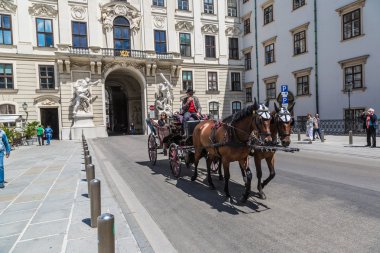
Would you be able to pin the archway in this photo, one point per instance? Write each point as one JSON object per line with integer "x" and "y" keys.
{"x": 124, "y": 102}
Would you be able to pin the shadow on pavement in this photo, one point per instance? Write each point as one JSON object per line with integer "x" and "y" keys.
{"x": 200, "y": 190}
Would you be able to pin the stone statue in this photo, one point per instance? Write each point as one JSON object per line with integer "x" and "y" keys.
{"x": 83, "y": 97}
{"x": 164, "y": 96}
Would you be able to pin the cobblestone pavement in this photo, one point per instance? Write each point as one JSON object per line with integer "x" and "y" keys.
{"x": 44, "y": 206}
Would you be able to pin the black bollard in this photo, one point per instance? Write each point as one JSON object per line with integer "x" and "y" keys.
{"x": 87, "y": 160}
{"x": 95, "y": 201}
{"x": 86, "y": 152}
{"x": 299, "y": 135}
{"x": 90, "y": 175}
{"x": 322, "y": 136}
{"x": 350, "y": 138}
{"x": 106, "y": 233}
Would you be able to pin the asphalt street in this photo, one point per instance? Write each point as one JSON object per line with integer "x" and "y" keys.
{"x": 318, "y": 202}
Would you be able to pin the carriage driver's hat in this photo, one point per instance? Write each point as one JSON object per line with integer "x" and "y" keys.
{"x": 190, "y": 91}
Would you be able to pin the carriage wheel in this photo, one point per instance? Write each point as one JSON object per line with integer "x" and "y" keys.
{"x": 152, "y": 149}
{"x": 174, "y": 160}
{"x": 215, "y": 165}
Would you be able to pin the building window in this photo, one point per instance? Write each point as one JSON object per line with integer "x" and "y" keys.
{"x": 354, "y": 114}
{"x": 44, "y": 32}
{"x": 351, "y": 24}
{"x": 247, "y": 61}
{"x": 47, "y": 77}
{"x": 236, "y": 106}
{"x": 302, "y": 85}
{"x": 234, "y": 48}
{"x": 209, "y": 6}
{"x": 232, "y": 8}
{"x": 298, "y": 3}
{"x": 79, "y": 30}
{"x": 235, "y": 81}
{"x": 248, "y": 94}
{"x": 268, "y": 14}
{"x": 6, "y": 76}
{"x": 185, "y": 44}
{"x": 247, "y": 26}
{"x": 187, "y": 80}
{"x": 158, "y": 2}
{"x": 214, "y": 110}
{"x": 269, "y": 53}
{"x": 160, "y": 41}
{"x": 121, "y": 34}
{"x": 5, "y": 30}
{"x": 212, "y": 81}
{"x": 271, "y": 90}
{"x": 183, "y": 5}
{"x": 7, "y": 109}
{"x": 300, "y": 42}
{"x": 210, "y": 46}
{"x": 353, "y": 75}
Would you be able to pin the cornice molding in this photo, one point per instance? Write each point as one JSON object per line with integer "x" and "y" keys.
{"x": 8, "y": 6}
{"x": 43, "y": 10}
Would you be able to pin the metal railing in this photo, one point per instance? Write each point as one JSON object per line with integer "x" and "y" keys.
{"x": 123, "y": 53}
{"x": 337, "y": 127}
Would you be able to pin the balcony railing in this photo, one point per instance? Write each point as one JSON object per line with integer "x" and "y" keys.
{"x": 79, "y": 50}
{"x": 123, "y": 53}
{"x": 337, "y": 127}
{"x": 164, "y": 55}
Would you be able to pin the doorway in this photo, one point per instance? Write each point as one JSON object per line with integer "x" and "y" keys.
{"x": 49, "y": 117}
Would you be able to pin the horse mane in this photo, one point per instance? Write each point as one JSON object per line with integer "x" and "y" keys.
{"x": 237, "y": 116}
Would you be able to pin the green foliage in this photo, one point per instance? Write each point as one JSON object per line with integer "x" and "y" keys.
{"x": 30, "y": 129}
{"x": 10, "y": 132}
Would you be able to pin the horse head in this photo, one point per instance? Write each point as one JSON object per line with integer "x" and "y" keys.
{"x": 283, "y": 123}
{"x": 262, "y": 119}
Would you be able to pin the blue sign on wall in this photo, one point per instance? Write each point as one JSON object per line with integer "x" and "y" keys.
{"x": 285, "y": 100}
{"x": 284, "y": 88}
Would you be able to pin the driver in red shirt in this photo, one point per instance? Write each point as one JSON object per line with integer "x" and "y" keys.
{"x": 191, "y": 106}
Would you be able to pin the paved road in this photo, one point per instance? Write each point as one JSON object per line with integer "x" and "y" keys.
{"x": 318, "y": 202}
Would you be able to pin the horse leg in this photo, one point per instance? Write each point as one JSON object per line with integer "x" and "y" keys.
{"x": 209, "y": 179}
{"x": 247, "y": 175}
{"x": 272, "y": 173}
{"x": 226, "y": 167}
{"x": 259, "y": 174}
{"x": 220, "y": 169}
{"x": 197, "y": 157}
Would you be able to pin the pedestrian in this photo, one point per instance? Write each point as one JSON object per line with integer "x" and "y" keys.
{"x": 48, "y": 134}
{"x": 4, "y": 147}
{"x": 132, "y": 129}
{"x": 40, "y": 135}
{"x": 316, "y": 121}
{"x": 309, "y": 127}
{"x": 370, "y": 124}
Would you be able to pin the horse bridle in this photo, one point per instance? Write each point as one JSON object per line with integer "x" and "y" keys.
{"x": 283, "y": 117}
{"x": 263, "y": 114}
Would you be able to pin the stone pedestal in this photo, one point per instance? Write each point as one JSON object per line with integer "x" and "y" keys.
{"x": 83, "y": 123}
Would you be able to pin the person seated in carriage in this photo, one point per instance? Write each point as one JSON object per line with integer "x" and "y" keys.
{"x": 191, "y": 107}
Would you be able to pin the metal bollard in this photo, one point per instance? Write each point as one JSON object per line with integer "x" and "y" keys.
{"x": 90, "y": 175}
{"x": 87, "y": 160}
{"x": 106, "y": 233}
{"x": 86, "y": 152}
{"x": 350, "y": 138}
{"x": 299, "y": 135}
{"x": 95, "y": 201}
{"x": 322, "y": 136}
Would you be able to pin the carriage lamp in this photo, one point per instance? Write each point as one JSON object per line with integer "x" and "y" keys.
{"x": 25, "y": 106}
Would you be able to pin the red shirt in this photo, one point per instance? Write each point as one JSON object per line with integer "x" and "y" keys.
{"x": 192, "y": 107}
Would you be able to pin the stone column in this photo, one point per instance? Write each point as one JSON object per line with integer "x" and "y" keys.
{"x": 223, "y": 40}
{"x": 95, "y": 29}
{"x": 172, "y": 38}
{"x": 64, "y": 22}
{"x": 198, "y": 36}
{"x": 25, "y": 28}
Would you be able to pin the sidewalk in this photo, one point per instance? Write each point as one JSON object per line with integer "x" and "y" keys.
{"x": 334, "y": 144}
{"x": 44, "y": 206}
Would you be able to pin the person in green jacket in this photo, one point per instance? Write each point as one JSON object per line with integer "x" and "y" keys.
{"x": 40, "y": 135}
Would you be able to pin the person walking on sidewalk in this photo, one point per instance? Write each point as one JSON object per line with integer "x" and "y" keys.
{"x": 309, "y": 127}
{"x": 40, "y": 135}
{"x": 48, "y": 134}
{"x": 4, "y": 147}
{"x": 370, "y": 124}
{"x": 316, "y": 121}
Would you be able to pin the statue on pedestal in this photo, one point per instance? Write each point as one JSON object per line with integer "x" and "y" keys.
{"x": 164, "y": 96}
{"x": 83, "y": 98}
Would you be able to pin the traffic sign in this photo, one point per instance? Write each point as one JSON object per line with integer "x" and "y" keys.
{"x": 284, "y": 88}
{"x": 285, "y": 100}
{"x": 151, "y": 107}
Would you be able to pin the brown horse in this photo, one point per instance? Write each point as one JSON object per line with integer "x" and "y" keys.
{"x": 281, "y": 125}
{"x": 230, "y": 143}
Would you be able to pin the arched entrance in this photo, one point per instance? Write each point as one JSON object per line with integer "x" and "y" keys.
{"x": 124, "y": 100}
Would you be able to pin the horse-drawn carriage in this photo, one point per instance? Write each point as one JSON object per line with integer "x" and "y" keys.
{"x": 176, "y": 143}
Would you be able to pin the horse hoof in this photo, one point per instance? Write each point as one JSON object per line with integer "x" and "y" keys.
{"x": 262, "y": 196}
{"x": 193, "y": 178}
{"x": 243, "y": 199}
{"x": 221, "y": 178}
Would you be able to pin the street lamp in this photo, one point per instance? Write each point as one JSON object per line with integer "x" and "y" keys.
{"x": 348, "y": 89}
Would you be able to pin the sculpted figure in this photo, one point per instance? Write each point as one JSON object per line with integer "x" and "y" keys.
{"x": 164, "y": 101}
{"x": 83, "y": 97}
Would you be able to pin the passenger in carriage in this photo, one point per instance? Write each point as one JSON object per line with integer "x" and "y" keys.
{"x": 191, "y": 107}
{"x": 163, "y": 121}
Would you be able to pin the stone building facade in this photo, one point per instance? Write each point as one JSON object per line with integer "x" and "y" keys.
{"x": 46, "y": 46}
